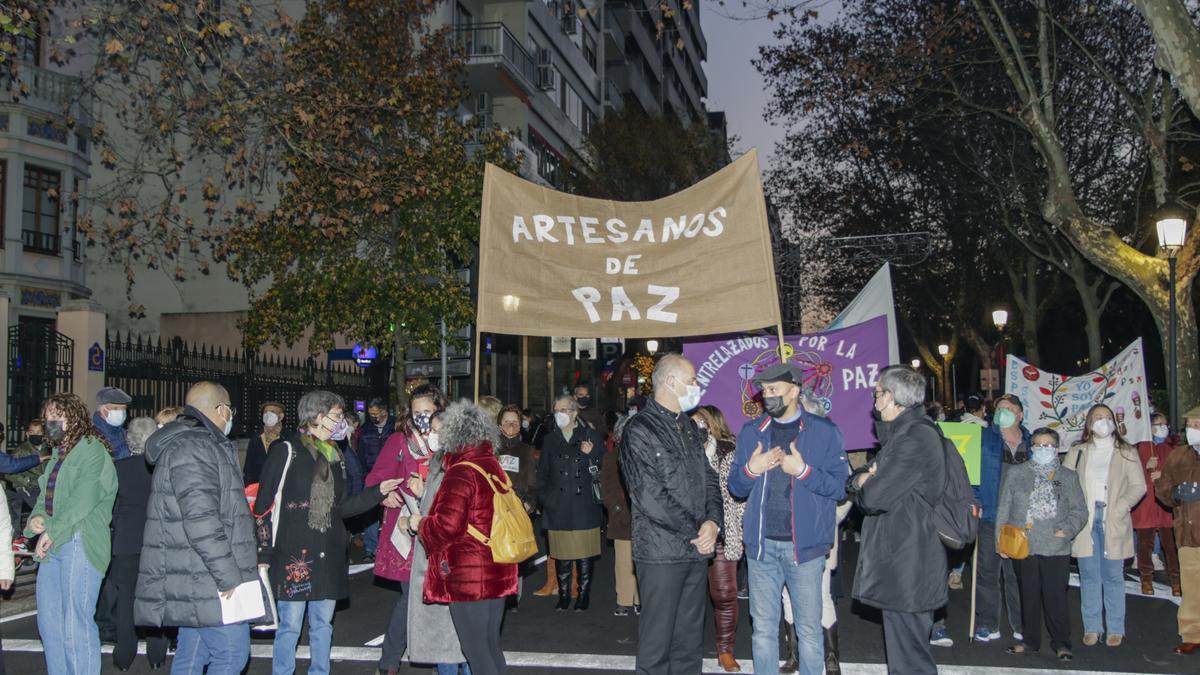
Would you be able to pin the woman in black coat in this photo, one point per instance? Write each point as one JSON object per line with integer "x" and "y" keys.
{"x": 302, "y": 539}
{"x": 567, "y": 485}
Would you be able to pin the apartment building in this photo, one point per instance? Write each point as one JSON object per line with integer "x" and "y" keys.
{"x": 44, "y": 167}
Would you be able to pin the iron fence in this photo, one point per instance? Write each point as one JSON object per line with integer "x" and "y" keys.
{"x": 158, "y": 375}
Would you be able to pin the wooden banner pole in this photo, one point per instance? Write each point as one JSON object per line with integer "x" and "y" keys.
{"x": 779, "y": 332}
{"x": 478, "y": 349}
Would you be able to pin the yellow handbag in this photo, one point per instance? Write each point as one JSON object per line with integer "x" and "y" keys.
{"x": 1014, "y": 542}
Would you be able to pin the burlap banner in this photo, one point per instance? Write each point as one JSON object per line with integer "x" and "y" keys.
{"x": 695, "y": 263}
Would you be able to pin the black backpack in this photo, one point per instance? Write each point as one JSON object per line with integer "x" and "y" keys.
{"x": 956, "y": 512}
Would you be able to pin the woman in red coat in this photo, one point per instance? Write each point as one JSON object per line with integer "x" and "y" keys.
{"x": 1150, "y": 517}
{"x": 461, "y": 570}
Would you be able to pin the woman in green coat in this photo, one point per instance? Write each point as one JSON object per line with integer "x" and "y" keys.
{"x": 72, "y": 514}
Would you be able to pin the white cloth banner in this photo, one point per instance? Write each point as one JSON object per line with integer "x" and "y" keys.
{"x": 1061, "y": 403}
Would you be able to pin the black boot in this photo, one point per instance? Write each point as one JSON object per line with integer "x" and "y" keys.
{"x": 790, "y": 663}
{"x": 585, "y": 567}
{"x": 562, "y": 570}
{"x": 833, "y": 663}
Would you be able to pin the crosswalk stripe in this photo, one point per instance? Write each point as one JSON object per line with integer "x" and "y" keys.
{"x": 615, "y": 662}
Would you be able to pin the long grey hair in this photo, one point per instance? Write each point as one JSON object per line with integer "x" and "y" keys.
{"x": 465, "y": 425}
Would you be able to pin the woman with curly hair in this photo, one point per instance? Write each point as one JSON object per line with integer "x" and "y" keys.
{"x": 72, "y": 514}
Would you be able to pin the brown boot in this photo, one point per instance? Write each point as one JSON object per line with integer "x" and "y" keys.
{"x": 551, "y": 586}
{"x": 1147, "y": 586}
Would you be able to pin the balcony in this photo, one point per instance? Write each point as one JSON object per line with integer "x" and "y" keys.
{"x": 491, "y": 47}
{"x": 40, "y": 242}
{"x": 612, "y": 96}
{"x": 46, "y": 91}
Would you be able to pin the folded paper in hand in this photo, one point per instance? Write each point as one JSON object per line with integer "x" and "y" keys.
{"x": 246, "y": 604}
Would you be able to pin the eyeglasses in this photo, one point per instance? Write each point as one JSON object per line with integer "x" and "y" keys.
{"x": 336, "y": 418}
{"x": 1045, "y": 446}
{"x": 232, "y": 410}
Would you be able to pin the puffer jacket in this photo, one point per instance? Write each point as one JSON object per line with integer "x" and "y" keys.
{"x": 461, "y": 568}
{"x": 672, "y": 487}
{"x": 902, "y": 562}
{"x": 199, "y": 538}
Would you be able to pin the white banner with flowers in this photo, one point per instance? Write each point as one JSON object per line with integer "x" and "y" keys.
{"x": 1062, "y": 403}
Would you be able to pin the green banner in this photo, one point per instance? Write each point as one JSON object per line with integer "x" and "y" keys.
{"x": 968, "y": 438}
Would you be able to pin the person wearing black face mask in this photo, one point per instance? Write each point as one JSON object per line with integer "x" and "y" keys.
{"x": 31, "y": 454}
{"x": 589, "y": 412}
{"x": 791, "y": 468}
{"x": 516, "y": 457}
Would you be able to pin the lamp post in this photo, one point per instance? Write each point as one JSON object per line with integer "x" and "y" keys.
{"x": 652, "y": 346}
{"x": 999, "y": 320}
{"x": 944, "y": 350}
{"x": 916, "y": 364}
{"x": 1171, "y": 221}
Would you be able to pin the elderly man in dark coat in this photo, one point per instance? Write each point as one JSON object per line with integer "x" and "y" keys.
{"x": 902, "y": 562}
{"x": 199, "y": 540}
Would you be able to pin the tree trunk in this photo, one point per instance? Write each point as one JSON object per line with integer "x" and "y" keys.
{"x": 1178, "y": 43}
{"x": 399, "y": 366}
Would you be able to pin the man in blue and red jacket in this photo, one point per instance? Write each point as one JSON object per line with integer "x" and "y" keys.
{"x": 791, "y": 469}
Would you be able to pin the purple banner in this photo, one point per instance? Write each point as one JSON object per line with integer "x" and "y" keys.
{"x": 840, "y": 369}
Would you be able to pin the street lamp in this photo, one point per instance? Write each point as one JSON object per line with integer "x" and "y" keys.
{"x": 1171, "y": 221}
{"x": 652, "y": 346}
{"x": 916, "y": 364}
{"x": 1000, "y": 321}
{"x": 1000, "y": 318}
{"x": 944, "y": 350}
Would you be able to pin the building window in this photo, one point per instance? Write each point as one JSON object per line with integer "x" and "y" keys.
{"x": 76, "y": 235}
{"x": 549, "y": 163}
{"x": 40, "y": 210}
{"x": 589, "y": 49}
{"x": 462, "y": 16}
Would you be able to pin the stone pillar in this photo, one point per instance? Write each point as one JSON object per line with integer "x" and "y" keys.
{"x": 84, "y": 322}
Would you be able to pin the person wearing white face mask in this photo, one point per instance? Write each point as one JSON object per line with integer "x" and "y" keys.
{"x": 568, "y": 488}
{"x": 675, "y": 497}
{"x": 1179, "y": 488}
{"x": 1113, "y": 484}
{"x": 256, "y": 451}
{"x": 1151, "y": 519}
{"x": 109, "y": 419}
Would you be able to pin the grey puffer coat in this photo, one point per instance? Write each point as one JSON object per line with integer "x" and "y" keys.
{"x": 199, "y": 537}
{"x": 432, "y": 637}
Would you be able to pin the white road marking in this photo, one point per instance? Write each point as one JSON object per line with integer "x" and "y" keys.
{"x": 596, "y": 661}
{"x": 376, "y": 642}
{"x": 361, "y": 567}
{"x": 22, "y": 615}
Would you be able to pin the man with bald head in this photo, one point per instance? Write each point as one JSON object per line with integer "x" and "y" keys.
{"x": 199, "y": 539}
{"x": 676, "y": 500}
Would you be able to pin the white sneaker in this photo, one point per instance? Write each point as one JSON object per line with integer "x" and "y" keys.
{"x": 1018, "y": 637}
{"x": 1158, "y": 563}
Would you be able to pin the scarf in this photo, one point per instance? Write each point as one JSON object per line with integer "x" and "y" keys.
{"x": 115, "y": 436}
{"x": 271, "y": 434}
{"x": 710, "y": 451}
{"x": 321, "y": 495}
{"x": 1042, "y": 504}
{"x": 417, "y": 446}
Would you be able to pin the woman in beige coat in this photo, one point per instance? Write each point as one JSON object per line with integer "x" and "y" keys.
{"x": 1112, "y": 481}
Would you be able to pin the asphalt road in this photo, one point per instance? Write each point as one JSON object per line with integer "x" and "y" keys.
{"x": 539, "y": 640}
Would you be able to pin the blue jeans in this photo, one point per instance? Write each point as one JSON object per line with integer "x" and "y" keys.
{"x": 224, "y": 649}
{"x": 453, "y": 669}
{"x": 371, "y": 538}
{"x": 767, "y": 579}
{"x": 287, "y": 635}
{"x": 1102, "y": 586}
{"x": 67, "y": 590}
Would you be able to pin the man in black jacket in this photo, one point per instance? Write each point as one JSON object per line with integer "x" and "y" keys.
{"x": 199, "y": 541}
{"x": 902, "y": 562}
{"x": 676, "y": 500}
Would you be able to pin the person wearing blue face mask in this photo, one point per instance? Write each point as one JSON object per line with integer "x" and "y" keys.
{"x": 1046, "y": 500}
{"x": 1005, "y": 444}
